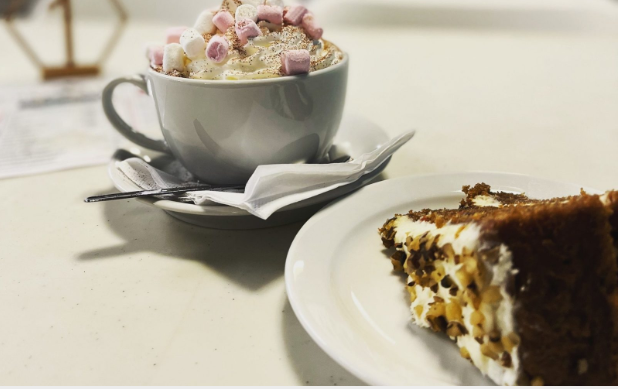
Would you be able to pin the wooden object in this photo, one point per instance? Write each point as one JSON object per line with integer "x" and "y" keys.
{"x": 70, "y": 68}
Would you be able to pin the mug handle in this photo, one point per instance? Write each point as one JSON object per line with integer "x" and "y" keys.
{"x": 139, "y": 80}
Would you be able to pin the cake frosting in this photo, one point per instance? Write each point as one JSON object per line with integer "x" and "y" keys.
{"x": 459, "y": 245}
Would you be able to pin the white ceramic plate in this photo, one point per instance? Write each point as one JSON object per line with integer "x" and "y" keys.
{"x": 342, "y": 288}
{"x": 357, "y": 135}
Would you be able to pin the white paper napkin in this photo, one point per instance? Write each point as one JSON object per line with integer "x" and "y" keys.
{"x": 272, "y": 187}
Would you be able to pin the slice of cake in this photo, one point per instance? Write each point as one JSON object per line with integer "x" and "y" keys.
{"x": 526, "y": 288}
{"x": 481, "y": 196}
{"x": 610, "y": 199}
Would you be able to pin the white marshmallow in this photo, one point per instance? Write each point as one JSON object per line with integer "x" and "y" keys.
{"x": 254, "y": 3}
{"x": 246, "y": 11}
{"x": 173, "y": 58}
{"x": 278, "y": 3}
{"x": 204, "y": 24}
{"x": 193, "y": 43}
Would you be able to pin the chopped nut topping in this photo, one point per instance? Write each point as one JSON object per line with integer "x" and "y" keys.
{"x": 537, "y": 381}
{"x": 414, "y": 244}
{"x": 412, "y": 292}
{"x": 463, "y": 277}
{"x": 492, "y": 295}
{"x": 477, "y": 332}
{"x": 505, "y": 360}
{"x": 388, "y": 243}
{"x": 397, "y": 266}
{"x": 455, "y": 329}
{"x": 477, "y": 318}
{"x": 436, "y": 309}
{"x": 464, "y": 353}
{"x": 428, "y": 242}
{"x": 438, "y": 272}
{"x": 446, "y": 282}
{"x": 453, "y": 312}
{"x": 486, "y": 350}
{"x": 472, "y": 298}
{"x": 438, "y": 324}
{"x": 448, "y": 251}
{"x": 470, "y": 265}
{"x": 514, "y": 338}
{"x": 496, "y": 347}
{"x": 507, "y": 343}
{"x": 494, "y": 336}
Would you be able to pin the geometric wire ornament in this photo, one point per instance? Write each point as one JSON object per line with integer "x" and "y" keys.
{"x": 70, "y": 68}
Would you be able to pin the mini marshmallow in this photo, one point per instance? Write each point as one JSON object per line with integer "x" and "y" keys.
{"x": 156, "y": 55}
{"x": 275, "y": 3}
{"x": 217, "y": 49}
{"x": 173, "y": 58}
{"x": 223, "y": 20}
{"x": 294, "y": 15}
{"x": 246, "y": 11}
{"x": 246, "y": 29}
{"x": 312, "y": 29}
{"x": 172, "y": 35}
{"x": 295, "y": 62}
{"x": 193, "y": 43}
{"x": 271, "y": 14}
{"x": 204, "y": 23}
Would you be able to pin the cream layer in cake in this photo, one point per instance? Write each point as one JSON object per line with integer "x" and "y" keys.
{"x": 463, "y": 292}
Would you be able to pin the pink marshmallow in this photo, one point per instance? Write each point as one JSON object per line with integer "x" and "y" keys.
{"x": 270, "y": 13}
{"x": 294, "y": 15}
{"x": 312, "y": 29}
{"x": 217, "y": 49}
{"x": 246, "y": 29}
{"x": 223, "y": 20}
{"x": 295, "y": 62}
{"x": 155, "y": 53}
{"x": 172, "y": 35}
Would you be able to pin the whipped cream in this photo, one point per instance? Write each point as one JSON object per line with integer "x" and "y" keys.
{"x": 261, "y": 56}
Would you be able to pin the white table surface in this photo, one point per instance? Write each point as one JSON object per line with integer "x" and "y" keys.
{"x": 120, "y": 293}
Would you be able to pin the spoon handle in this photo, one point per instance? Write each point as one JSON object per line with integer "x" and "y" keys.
{"x": 158, "y": 192}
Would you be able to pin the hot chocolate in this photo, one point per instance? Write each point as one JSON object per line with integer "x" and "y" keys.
{"x": 246, "y": 39}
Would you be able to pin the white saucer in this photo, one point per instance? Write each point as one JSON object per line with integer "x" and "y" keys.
{"x": 356, "y": 136}
{"x": 343, "y": 290}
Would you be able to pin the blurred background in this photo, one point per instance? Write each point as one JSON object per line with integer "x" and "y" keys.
{"x": 95, "y": 18}
{"x": 475, "y": 67}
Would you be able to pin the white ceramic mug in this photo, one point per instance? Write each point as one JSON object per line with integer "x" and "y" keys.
{"x": 222, "y": 130}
